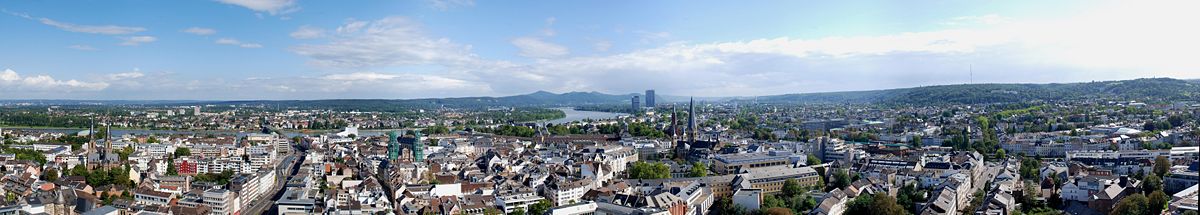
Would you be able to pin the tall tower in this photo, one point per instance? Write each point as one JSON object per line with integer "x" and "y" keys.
{"x": 692, "y": 120}
{"x": 674, "y": 124}
{"x": 393, "y": 145}
{"x": 636, "y": 104}
{"x": 418, "y": 149}
{"x": 650, "y": 99}
{"x": 107, "y": 137}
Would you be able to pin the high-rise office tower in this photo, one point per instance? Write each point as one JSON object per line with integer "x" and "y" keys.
{"x": 636, "y": 103}
{"x": 650, "y": 99}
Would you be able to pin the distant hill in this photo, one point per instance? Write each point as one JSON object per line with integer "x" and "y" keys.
{"x": 1138, "y": 89}
{"x": 536, "y": 99}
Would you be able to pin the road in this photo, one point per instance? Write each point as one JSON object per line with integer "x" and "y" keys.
{"x": 295, "y": 168}
{"x": 989, "y": 174}
{"x": 282, "y": 175}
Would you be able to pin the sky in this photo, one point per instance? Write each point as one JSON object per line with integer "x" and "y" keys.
{"x": 304, "y": 49}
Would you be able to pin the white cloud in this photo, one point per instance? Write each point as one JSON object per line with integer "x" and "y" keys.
{"x": 359, "y": 76}
{"x": 536, "y": 48}
{"x": 82, "y": 47}
{"x": 137, "y": 40}
{"x": 11, "y": 81}
{"x": 235, "y": 42}
{"x": 92, "y": 29}
{"x": 272, "y": 7}
{"x": 308, "y": 32}
{"x": 200, "y": 31}
{"x": 990, "y": 19}
{"x": 351, "y": 27}
{"x": 447, "y": 4}
{"x": 126, "y": 75}
{"x": 9, "y": 75}
{"x": 386, "y": 42}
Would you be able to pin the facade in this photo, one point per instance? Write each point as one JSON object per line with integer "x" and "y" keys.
{"x": 771, "y": 179}
{"x": 415, "y": 146}
{"x": 728, "y": 163}
{"x": 635, "y": 103}
{"x": 1179, "y": 180}
{"x": 222, "y": 202}
{"x": 650, "y": 99}
{"x": 152, "y": 197}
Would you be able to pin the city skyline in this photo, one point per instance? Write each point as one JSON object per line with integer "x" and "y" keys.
{"x": 284, "y": 49}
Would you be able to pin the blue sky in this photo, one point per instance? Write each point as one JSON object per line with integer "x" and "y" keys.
{"x": 298, "y": 49}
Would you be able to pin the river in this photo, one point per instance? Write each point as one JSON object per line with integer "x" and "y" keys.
{"x": 579, "y": 115}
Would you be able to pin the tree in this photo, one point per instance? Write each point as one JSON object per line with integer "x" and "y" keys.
{"x": 1190, "y": 212}
{"x": 540, "y": 207}
{"x": 791, "y": 188}
{"x": 79, "y": 170}
{"x": 778, "y": 211}
{"x": 1161, "y": 166}
{"x": 698, "y": 170}
{"x": 877, "y": 204}
{"x": 1151, "y": 183}
{"x": 916, "y": 141}
{"x": 171, "y": 171}
{"x": 183, "y": 151}
{"x": 1135, "y": 204}
{"x": 1158, "y": 201}
{"x": 647, "y": 170}
{"x": 841, "y": 178}
{"x": 909, "y": 196}
{"x": 1029, "y": 168}
{"x": 50, "y": 175}
{"x": 1000, "y": 153}
{"x": 813, "y": 160}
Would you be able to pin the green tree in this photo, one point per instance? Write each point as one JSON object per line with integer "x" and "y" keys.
{"x": 1000, "y": 153}
{"x": 1161, "y": 166}
{"x": 1029, "y": 168}
{"x": 909, "y": 196}
{"x": 813, "y": 160}
{"x": 79, "y": 170}
{"x": 791, "y": 188}
{"x": 916, "y": 141}
{"x": 171, "y": 171}
{"x": 841, "y": 179}
{"x": 698, "y": 170}
{"x": 648, "y": 170}
{"x": 183, "y": 151}
{"x": 1151, "y": 183}
{"x": 1158, "y": 201}
{"x": 877, "y": 204}
{"x": 540, "y": 207}
{"x": 50, "y": 175}
{"x": 1136, "y": 204}
{"x": 777, "y": 211}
